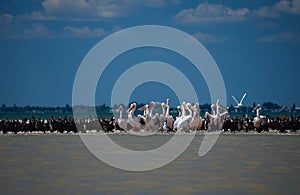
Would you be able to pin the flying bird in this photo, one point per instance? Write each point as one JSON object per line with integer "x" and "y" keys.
{"x": 239, "y": 104}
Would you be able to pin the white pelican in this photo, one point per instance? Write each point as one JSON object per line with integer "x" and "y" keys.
{"x": 169, "y": 118}
{"x": 147, "y": 118}
{"x": 217, "y": 118}
{"x": 162, "y": 117}
{"x": 258, "y": 119}
{"x": 240, "y": 103}
{"x": 196, "y": 122}
{"x": 181, "y": 114}
{"x": 184, "y": 122}
{"x": 132, "y": 120}
{"x": 121, "y": 122}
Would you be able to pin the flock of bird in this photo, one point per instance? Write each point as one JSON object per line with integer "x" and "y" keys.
{"x": 188, "y": 117}
{"x": 149, "y": 121}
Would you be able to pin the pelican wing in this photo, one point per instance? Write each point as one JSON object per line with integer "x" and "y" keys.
{"x": 234, "y": 99}
{"x": 243, "y": 98}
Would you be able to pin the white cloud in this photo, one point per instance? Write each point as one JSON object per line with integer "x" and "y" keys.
{"x": 6, "y": 18}
{"x": 116, "y": 29}
{"x": 37, "y": 31}
{"x": 287, "y": 36}
{"x": 208, "y": 13}
{"x": 30, "y": 32}
{"x": 211, "y": 13}
{"x": 41, "y": 31}
{"x": 36, "y": 15}
{"x": 82, "y": 10}
{"x": 206, "y": 38}
{"x": 266, "y": 24}
{"x": 266, "y": 12}
{"x": 288, "y": 6}
{"x": 275, "y": 10}
{"x": 82, "y": 32}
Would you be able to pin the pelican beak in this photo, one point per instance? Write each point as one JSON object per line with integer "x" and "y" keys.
{"x": 143, "y": 108}
{"x": 256, "y": 107}
{"x": 130, "y": 108}
{"x": 168, "y": 101}
{"x": 152, "y": 104}
{"x": 120, "y": 108}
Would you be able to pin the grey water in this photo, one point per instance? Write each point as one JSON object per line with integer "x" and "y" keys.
{"x": 237, "y": 164}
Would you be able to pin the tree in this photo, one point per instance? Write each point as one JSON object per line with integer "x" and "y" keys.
{"x": 68, "y": 108}
{"x": 270, "y": 106}
{"x": 294, "y": 106}
{"x": 3, "y": 108}
{"x": 15, "y": 108}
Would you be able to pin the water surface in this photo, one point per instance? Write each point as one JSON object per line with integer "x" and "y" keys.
{"x": 237, "y": 164}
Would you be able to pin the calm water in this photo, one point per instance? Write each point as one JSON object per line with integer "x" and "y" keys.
{"x": 238, "y": 164}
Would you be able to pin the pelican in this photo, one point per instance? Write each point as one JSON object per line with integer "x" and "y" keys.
{"x": 181, "y": 114}
{"x": 147, "y": 118}
{"x": 132, "y": 120}
{"x": 213, "y": 109}
{"x": 121, "y": 122}
{"x": 162, "y": 117}
{"x": 184, "y": 121}
{"x": 258, "y": 119}
{"x": 150, "y": 108}
{"x": 169, "y": 118}
{"x": 217, "y": 118}
{"x": 239, "y": 104}
{"x": 143, "y": 118}
{"x": 196, "y": 122}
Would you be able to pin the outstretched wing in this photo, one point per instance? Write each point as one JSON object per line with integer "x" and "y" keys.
{"x": 243, "y": 97}
{"x": 234, "y": 99}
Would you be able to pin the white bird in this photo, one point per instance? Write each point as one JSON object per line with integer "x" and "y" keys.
{"x": 178, "y": 118}
{"x": 181, "y": 115}
{"x": 121, "y": 121}
{"x": 132, "y": 120}
{"x": 147, "y": 117}
{"x": 217, "y": 118}
{"x": 169, "y": 118}
{"x": 258, "y": 119}
{"x": 239, "y": 103}
{"x": 179, "y": 112}
{"x": 196, "y": 122}
{"x": 162, "y": 117}
{"x": 184, "y": 122}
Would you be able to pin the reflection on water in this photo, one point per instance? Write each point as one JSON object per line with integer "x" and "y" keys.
{"x": 237, "y": 164}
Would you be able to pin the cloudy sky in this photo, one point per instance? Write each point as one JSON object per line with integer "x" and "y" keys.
{"x": 255, "y": 43}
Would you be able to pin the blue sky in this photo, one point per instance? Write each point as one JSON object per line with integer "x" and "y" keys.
{"x": 255, "y": 43}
